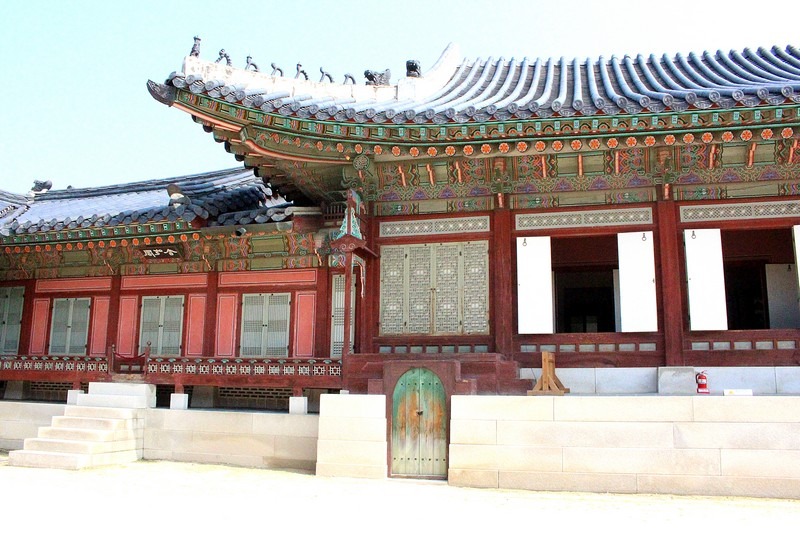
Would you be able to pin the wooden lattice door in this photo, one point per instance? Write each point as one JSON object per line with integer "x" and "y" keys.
{"x": 419, "y": 425}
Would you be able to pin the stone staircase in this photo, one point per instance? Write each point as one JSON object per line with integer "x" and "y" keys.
{"x": 106, "y": 426}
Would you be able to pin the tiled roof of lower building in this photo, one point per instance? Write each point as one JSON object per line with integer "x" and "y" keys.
{"x": 213, "y": 197}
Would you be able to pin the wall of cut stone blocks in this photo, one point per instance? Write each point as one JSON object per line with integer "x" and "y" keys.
{"x": 22, "y": 420}
{"x": 709, "y": 445}
{"x": 352, "y": 436}
{"x": 652, "y": 380}
{"x": 249, "y": 439}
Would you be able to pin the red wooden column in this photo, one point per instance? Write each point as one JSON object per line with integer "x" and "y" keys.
{"x": 502, "y": 280}
{"x": 670, "y": 281}
{"x": 322, "y": 326}
{"x": 27, "y": 317}
{"x": 369, "y": 305}
{"x": 112, "y": 327}
{"x": 209, "y": 333}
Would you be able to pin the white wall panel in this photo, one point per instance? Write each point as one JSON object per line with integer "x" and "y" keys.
{"x": 706, "y": 278}
{"x": 637, "y": 282}
{"x": 534, "y": 285}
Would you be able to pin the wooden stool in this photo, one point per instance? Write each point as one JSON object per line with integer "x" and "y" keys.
{"x": 549, "y": 382}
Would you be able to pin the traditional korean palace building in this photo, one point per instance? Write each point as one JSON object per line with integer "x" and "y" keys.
{"x": 635, "y": 213}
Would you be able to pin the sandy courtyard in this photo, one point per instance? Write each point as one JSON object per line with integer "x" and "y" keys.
{"x": 165, "y": 496}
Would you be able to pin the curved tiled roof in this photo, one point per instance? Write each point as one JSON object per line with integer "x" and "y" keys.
{"x": 211, "y": 196}
{"x": 496, "y": 89}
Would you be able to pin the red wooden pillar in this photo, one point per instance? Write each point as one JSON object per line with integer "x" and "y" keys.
{"x": 369, "y": 305}
{"x": 502, "y": 279}
{"x": 209, "y": 334}
{"x": 112, "y": 328}
{"x": 669, "y": 244}
{"x": 27, "y": 317}
{"x": 322, "y": 326}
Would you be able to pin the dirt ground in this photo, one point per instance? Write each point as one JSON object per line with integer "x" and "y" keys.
{"x": 166, "y": 496}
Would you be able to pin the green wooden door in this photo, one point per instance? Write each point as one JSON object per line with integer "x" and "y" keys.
{"x": 419, "y": 425}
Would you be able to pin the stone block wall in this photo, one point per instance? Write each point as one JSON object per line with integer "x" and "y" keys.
{"x": 711, "y": 445}
{"x": 352, "y": 436}
{"x": 22, "y": 420}
{"x": 250, "y": 439}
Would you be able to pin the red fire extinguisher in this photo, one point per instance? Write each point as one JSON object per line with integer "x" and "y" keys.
{"x": 702, "y": 382}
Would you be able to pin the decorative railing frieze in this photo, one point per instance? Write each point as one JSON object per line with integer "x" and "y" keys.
{"x": 179, "y": 366}
{"x": 241, "y": 367}
{"x": 745, "y": 211}
{"x": 435, "y": 226}
{"x": 54, "y": 363}
{"x": 579, "y": 219}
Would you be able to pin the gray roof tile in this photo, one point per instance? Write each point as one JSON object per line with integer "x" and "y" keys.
{"x": 209, "y": 196}
{"x": 482, "y": 90}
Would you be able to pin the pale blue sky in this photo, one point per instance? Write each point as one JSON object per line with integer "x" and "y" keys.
{"x": 75, "y": 109}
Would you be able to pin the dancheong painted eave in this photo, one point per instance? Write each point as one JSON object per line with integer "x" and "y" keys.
{"x": 480, "y": 108}
{"x": 460, "y": 91}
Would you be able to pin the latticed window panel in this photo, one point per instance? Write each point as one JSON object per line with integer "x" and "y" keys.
{"x": 446, "y": 295}
{"x": 444, "y": 289}
{"x": 419, "y": 289}
{"x": 59, "y": 326}
{"x": 162, "y": 324}
{"x": 252, "y": 324}
{"x": 172, "y": 326}
{"x": 393, "y": 281}
{"x": 337, "y": 316}
{"x": 476, "y": 287}
{"x": 277, "y": 326}
{"x": 265, "y": 325}
{"x": 11, "y": 301}
{"x": 69, "y": 326}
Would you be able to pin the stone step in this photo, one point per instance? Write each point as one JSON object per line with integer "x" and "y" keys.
{"x": 108, "y": 424}
{"x": 77, "y": 446}
{"x": 37, "y": 459}
{"x": 102, "y": 412}
{"x": 116, "y": 400}
{"x": 70, "y": 461}
{"x": 82, "y": 434}
{"x": 122, "y": 389}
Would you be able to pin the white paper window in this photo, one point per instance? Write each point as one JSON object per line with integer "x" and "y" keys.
{"x": 162, "y": 324}
{"x": 69, "y": 326}
{"x": 534, "y": 285}
{"x": 706, "y": 279}
{"x": 637, "y": 282}
{"x": 11, "y": 301}
{"x": 438, "y": 289}
{"x": 265, "y": 325}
